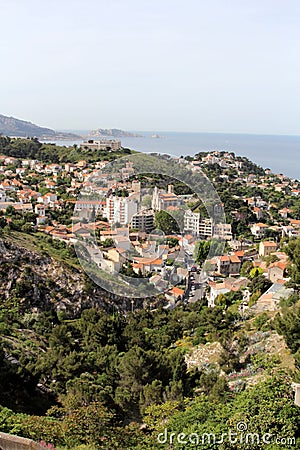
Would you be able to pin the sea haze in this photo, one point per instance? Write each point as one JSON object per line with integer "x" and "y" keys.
{"x": 278, "y": 152}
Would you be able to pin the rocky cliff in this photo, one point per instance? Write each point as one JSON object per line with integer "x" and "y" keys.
{"x": 38, "y": 282}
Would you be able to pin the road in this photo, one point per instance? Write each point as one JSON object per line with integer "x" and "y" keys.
{"x": 199, "y": 281}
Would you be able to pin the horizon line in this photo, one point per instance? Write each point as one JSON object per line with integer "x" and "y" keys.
{"x": 247, "y": 133}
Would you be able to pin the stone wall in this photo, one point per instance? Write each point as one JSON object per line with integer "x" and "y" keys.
{"x": 11, "y": 442}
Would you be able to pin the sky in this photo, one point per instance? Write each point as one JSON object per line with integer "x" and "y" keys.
{"x": 192, "y": 65}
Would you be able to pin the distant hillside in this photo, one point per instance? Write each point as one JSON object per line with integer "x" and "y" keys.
{"x": 112, "y": 132}
{"x": 10, "y": 126}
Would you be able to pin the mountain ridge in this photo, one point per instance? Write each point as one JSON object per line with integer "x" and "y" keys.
{"x": 11, "y": 126}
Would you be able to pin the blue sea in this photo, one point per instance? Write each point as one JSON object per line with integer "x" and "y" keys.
{"x": 280, "y": 153}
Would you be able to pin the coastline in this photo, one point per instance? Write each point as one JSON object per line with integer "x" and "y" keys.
{"x": 277, "y": 152}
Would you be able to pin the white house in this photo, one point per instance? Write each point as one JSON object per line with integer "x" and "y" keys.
{"x": 259, "y": 229}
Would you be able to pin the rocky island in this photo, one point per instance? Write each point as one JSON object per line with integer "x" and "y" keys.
{"x": 112, "y": 132}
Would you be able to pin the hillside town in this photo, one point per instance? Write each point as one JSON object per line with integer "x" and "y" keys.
{"x": 125, "y": 213}
{"x": 150, "y": 225}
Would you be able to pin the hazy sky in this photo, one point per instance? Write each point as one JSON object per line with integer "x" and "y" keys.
{"x": 193, "y": 65}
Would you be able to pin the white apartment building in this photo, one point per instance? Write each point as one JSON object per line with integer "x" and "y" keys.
{"x": 196, "y": 225}
{"x": 120, "y": 210}
{"x": 191, "y": 221}
{"x": 206, "y": 228}
{"x": 223, "y": 231}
